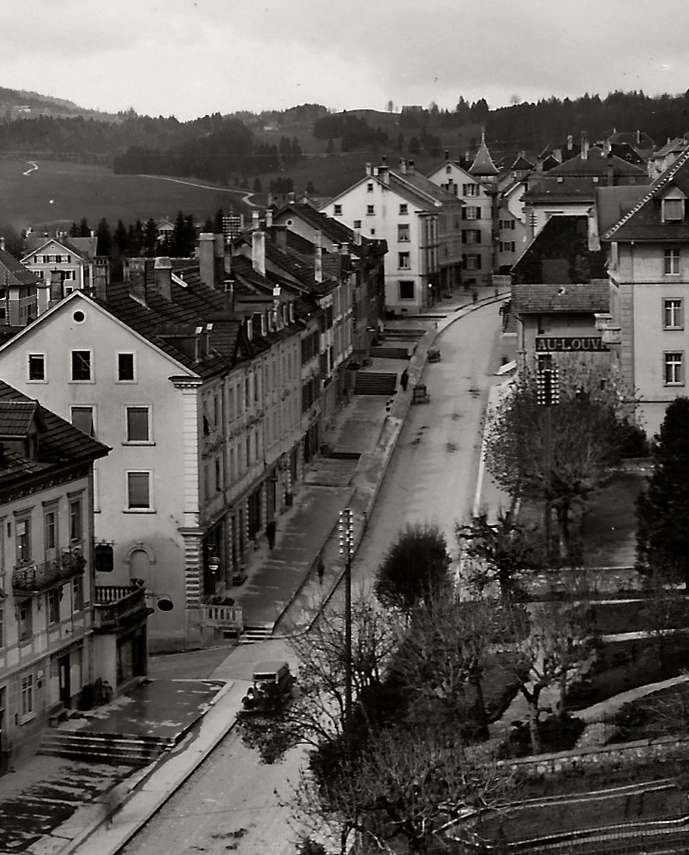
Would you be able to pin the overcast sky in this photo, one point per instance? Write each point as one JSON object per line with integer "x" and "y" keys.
{"x": 188, "y": 58}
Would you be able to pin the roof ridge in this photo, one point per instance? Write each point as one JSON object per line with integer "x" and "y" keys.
{"x": 661, "y": 181}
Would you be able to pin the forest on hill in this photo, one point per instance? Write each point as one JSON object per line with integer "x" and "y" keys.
{"x": 231, "y": 149}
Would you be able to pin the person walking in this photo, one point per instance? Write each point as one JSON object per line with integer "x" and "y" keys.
{"x": 271, "y": 529}
{"x": 404, "y": 380}
{"x": 321, "y": 569}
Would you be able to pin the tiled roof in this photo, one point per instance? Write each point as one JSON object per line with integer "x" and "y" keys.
{"x": 561, "y": 298}
{"x": 612, "y": 203}
{"x": 483, "y": 162}
{"x": 333, "y": 229}
{"x": 560, "y": 253}
{"x": 13, "y": 272}
{"x": 84, "y": 248}
{"x": 597, "y": 163}
{"x": 59, "y": 441}
{"x": 643, "y": 221}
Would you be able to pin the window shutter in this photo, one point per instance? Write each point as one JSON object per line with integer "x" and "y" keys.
{"x": 464, "y": 213}
{"x": 478, "y": 260}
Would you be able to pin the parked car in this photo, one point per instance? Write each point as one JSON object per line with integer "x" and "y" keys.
{"x": 272, "y": 687}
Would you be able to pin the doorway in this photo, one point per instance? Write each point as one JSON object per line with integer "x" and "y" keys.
{"x": 65, "y": 683}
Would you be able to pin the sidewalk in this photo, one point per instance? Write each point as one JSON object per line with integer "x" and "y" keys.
{"x": 108, "y": 803}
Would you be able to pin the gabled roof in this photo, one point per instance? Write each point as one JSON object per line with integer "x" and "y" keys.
{"x": 334, "y": 230}
{"x": 560, "y": 253}
{"x": 411, "y": 186}
{"x": 643, "y": 221}
{"x": 613, "y": 203}
{"x": 67, "y": 244}
{"x": 674, "y": 146}
{"x": 557, "y": 298}
{"x": 59, "y": 441}
{"x": 13, "y": 272}
{"x": 597, "y": 163}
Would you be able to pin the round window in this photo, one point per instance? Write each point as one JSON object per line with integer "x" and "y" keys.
{"x": 79, "y": 316}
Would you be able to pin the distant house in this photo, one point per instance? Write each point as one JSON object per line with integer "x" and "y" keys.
{"x": 18, "y": 290}
{"x": 421, "y": 224}
{"x": 64, "y": 264}
{"x": 649, "y": 277}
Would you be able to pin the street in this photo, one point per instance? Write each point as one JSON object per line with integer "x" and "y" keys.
{"x": 232, "y": 803}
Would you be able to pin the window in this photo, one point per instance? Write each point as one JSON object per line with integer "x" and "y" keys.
{"x": 370, "y": 210}
{"x": 673, "y": 210}
{"x": 125, "y": 367}
{"x": 403, "y": 232}
{"x": 472, "y": 261}
{"x": 403, "y": 260}
{"x": 50, "y": 531}
{"x": 471, "y": 235}
{"x": 404, "y": 210}
{"x": 24, "y": 618}
{"x": 81, "y": 365}
{"x": 357, "y": 224}
{"x": 671, "y": 267}
{"x": 82, "y": 418}
{"x": 674, "y": 369}
{"x": 77, "y": 593}
{"x": 507, "y": 225}
{"x": 673, "y": 314}
{"x": 337, "y": 210}
{"x": 138, "y": 424}
{"x": 507, "y": 246}
{"x": 471, "y": 212}
{"x": 76, "y": 526}
{"x": 54, "y": 597}
{"x": 139, "y": 491}
{"x": 27, "y": 696}
{"x": 369, "y": 187}
{"x": 37, "y": 367}
{"x": 22, "y": 530}
{"x": 406, "y": 289}
{"x": 469, "y": 189}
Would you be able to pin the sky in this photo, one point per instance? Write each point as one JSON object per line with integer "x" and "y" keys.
{"x": 189, "y": 58}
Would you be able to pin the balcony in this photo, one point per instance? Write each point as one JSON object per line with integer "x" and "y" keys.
{"x": 31, "y": 580}
{"x": 223, "y": 617}
{"x": 115, "y": 606}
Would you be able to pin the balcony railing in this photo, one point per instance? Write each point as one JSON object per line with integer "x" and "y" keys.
{"x": 223, "y": 617}
{"x": 114, "y": 605}
{"x": 30, "y": 579}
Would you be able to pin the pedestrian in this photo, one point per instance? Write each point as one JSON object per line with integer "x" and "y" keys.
{"x": 271, "y": 528}
{"x": 474, "y": 296}
{"x": 404, "y": 380}
{"x": 321, "y": 569}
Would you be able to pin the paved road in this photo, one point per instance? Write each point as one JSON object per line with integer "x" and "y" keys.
{"x": 232, "y": 803}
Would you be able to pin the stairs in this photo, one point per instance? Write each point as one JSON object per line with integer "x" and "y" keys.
{"x": 254, "y": 634}
{"x": 375, "y": 383}
{"x": 132, "y": 750}
{"x": 390, "y": 352}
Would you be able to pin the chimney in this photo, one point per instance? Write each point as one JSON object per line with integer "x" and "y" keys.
{"x": 610, "y": 170}
{"x": 228, "y": 303}
{"x": 384, "y": 174}
{"x": 291, "y": 198}
{"x": 270, "y": 198}
{"x": 403, "y": 166}
{"x": 162, "y": 273}
{"x": 269, "y": 217}
{"x": 410, "y": 167}
{"x": 318, "y": 256}
{"x": 357, "y": 237}
{"x": 570, "y": 142}
{"x": 447, "y": 154}
{"x": 255, "y": 219}
{"x": 369, "y": 170}
{"x": 258, "y": 252}
{"x": 206, "y": 259}
{"x": 280, "y": 237}
{"x": 584, "y": 146}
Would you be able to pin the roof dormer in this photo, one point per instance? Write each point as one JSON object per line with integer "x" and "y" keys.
{"x": 673, "y": 206}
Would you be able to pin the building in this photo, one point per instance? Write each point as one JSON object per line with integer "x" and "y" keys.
{"x": 421, "y": 224}
{"x": 60, "y": 635}
{"x": 65, "y": 264}
{"x": 649, "y": 275}
{"x": 570, "y": 187}
{"x": 559, "y": 285}
{"x": 18, "y": 290}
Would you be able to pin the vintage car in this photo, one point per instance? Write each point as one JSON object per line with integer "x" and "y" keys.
{"x": 433, "y": 354}
{"x": 272, "y": 686}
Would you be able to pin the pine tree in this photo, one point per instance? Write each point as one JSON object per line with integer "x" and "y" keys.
{"x": 662, "y": 538}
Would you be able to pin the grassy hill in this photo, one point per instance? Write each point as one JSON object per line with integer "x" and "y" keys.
{"x": 56, "y": 194}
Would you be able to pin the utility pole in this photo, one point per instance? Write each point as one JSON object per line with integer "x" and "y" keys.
{"x": 346, "y": 529}
{"x": 547, "y": 394}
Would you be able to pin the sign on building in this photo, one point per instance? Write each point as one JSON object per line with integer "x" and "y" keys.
{"x": 570, "y": 344}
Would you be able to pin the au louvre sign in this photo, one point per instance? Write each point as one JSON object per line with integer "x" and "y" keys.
{"x": 570, "y": 344}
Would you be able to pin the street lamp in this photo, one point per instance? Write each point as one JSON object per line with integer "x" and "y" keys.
{"x": 346, "y": 531}
{"x": 547, "y": 394}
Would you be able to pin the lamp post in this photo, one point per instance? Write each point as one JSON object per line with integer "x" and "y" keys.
{"x": 547, "y": 394}
{"x": 346, "y": 531}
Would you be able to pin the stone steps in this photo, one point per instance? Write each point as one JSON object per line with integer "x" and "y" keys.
{"x": 375, "y": 383}
{"x": 114, "y": 748}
